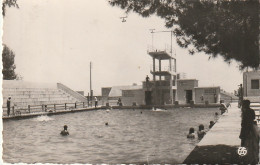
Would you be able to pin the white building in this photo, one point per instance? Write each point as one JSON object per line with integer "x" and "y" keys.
{"x": 251, "y": 86}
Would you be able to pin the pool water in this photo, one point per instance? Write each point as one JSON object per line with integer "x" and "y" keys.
{"x": 130, "y": 137}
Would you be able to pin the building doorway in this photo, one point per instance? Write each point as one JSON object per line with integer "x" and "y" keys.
{"x": 188, "y": 96}
{"x": 148, "y": 97}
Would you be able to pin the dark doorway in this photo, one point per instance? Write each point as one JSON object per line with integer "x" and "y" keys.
{"x": 188, "y": 96}
{"x": 148, "y": 97}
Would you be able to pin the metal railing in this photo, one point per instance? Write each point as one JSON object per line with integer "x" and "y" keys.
{"x": 167, "y": 48}
{"x": 32, "y": 109}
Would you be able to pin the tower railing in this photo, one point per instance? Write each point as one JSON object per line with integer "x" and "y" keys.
{"x": 166, "y": 48}
{"x": 43, "y": 108}
{"x": 163, "y": 68}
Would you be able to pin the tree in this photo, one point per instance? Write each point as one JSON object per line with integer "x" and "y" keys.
{"x": 229, "y": 28}
{"x": 8, "y": 3}
{"x": 8, "y": 64}
{"x": 7, "y": 54}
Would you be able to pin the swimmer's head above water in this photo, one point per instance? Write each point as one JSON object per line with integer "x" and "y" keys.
{"x": 191, "y": 130}
{"x": 201, "y": 127}
{"x": 65, "y": 131}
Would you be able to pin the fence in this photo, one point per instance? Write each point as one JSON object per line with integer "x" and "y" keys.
{"x": 31, "y": 109}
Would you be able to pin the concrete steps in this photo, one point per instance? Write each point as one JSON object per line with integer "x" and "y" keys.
{"x": 25, "y": 93}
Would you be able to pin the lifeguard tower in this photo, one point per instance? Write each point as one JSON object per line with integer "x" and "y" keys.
{"x": 162, "y": 89}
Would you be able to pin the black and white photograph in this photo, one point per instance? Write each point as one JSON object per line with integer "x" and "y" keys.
{"x": 130, "y": 82}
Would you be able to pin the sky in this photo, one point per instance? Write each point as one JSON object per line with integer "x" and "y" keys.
{"x": 55, "y": 41}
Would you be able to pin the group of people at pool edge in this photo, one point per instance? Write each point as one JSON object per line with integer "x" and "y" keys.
{"x": 248, "y": 134}
{"x": 201, "y": 132}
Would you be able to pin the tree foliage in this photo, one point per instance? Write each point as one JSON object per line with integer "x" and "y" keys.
{"x": 7, "y": 54}
{"x": 8, "y": 3}
{"x": 229, "y": 28}
{"x": 8, "y": 64}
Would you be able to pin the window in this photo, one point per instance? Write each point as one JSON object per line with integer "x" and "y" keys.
{"x": 210, "y": 91}
{"x": 127, "y": 93}
{"x": 254, "y": 84}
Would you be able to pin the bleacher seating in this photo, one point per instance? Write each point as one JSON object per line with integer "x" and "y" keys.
{"x": 26, "y": 93}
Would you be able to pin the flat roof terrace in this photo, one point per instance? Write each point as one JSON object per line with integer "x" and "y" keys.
{"x": 158, "y": 54}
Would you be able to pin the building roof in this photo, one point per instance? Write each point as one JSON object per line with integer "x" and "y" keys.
{"x": 208, "y": 87}
{"x": 117, "y": 90}
{"x": 187, "y": 80}
{"x": 163, "y": 55}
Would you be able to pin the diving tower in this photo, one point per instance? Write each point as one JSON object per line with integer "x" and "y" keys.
{"x": 163, "y": 85}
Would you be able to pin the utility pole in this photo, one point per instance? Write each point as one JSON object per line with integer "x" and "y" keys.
{"x": 152, "y": 31}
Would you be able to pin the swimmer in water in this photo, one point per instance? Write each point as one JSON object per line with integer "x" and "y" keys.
{"x": 65, "y": 131}
{"x": 106, "y": 123}
{"x": 216, "y": 117}
{"x": 201, "y": 132}
{"x": 211, "y": 123}
{"x": 191, "y": 134}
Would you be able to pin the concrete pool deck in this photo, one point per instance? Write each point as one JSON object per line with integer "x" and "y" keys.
{"x": 226, "y": 130}
{"x": 220, "y": 144}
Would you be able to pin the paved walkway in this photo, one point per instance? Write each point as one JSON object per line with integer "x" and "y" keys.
{"x": 220, "y": 144}
{"x": 227, "y": 129}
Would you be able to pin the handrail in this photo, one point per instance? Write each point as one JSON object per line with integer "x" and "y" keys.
{"x": 71, "y": 92}
{"x": 45, "y": 108}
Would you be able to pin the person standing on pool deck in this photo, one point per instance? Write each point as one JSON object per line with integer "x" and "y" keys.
{"x": 96, "y": 102}
{"x": 119, "y": 102}
{"x": 147, "y": 79}
{"x": 8, "y": 105}
{"x": 249, "y": 133}
{"x": 215, "y": 98}
{"x": 248, "y": 117}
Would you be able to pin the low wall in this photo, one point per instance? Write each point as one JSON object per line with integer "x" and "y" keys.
{"x": 72, "y": 93}
{"x": 31, "y": 115}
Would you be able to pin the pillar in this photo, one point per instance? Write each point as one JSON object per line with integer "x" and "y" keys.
{"x": 153, "y": 69}
{"x": 171, "y": 92}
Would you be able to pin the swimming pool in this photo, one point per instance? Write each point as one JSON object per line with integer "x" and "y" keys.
{"x": 130, "y": 137}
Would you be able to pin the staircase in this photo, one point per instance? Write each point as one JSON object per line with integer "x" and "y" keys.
{"x": 26, "y": 93}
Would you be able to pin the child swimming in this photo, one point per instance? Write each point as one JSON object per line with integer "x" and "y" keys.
{"x": 211, "y": 123}
{"x": 201, "y": 132}
{"x": 65, "y": 131}
{"x": 191, "y": 134}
